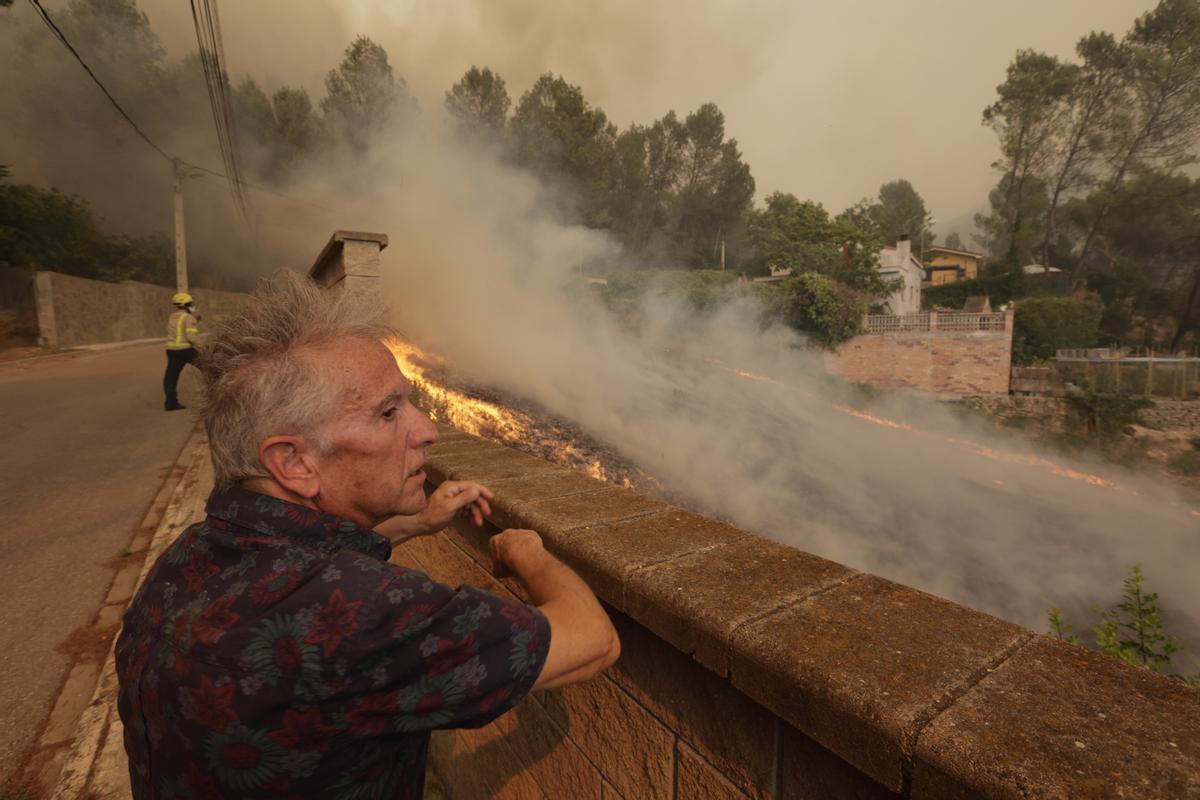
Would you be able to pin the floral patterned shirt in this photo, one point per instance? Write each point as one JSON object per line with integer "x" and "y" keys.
{"x": 274, "y": 652}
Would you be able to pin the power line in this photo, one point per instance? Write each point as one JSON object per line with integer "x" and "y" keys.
{"x": 258, "y": 187}
{"x": 208, "y": 37}
{"x": 236, "y": 179}
{"x": 58, "y": 34}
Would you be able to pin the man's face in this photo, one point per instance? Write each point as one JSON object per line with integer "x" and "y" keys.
{"x": 378, "y": 438}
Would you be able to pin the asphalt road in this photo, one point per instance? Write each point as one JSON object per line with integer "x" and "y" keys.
{"x": 84, "y": 447}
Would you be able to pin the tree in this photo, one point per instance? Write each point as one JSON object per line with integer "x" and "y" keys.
{"x": 716, "y": 188}
{"x": 954, "y": 241}
{"x": 800, "y": 235}
{"x": 1158, "y": 120}
{"x": 1026, "y": 118}
{"x": 900, "y": 210}
{"x": 645, "y": 181}
{"x": 363, "y": 95}
{"x": 284, "y": 131}
{"x": 680, "y": 189}
{"x": 479, "y": 104}
{"x": 1011, "y": 231}
{"x": 1095, "y": 88}
{"x": 1151, "y": 241}
{"x": 558, "y": 135}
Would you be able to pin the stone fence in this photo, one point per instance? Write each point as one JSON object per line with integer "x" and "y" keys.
{"x": 937, "y": 321}
{"x": 74, "y": 311}
{"x": 953, "y": 355}
{"x": 1054, "y": 414}
{"x": 754, "y": 670}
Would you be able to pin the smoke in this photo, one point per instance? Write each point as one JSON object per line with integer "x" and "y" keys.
{"x": 481, "y": 272}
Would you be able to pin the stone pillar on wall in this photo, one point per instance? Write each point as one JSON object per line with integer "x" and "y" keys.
{"x": 1008, "y": 318}
{"x": 349, "y": 261}
{"x": 43, "y": 287}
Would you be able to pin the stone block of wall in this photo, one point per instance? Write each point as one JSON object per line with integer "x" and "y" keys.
{"x": 752, "y": 670}
{"x": 76, "y": 311}
{"x": 942, "y": 362}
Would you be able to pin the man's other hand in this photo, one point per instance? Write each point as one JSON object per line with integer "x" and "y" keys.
{"x": 453, "y": 499}
{"x": 515, "y": 552}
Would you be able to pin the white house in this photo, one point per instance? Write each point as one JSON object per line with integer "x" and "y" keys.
{"x": 900, "y": 267}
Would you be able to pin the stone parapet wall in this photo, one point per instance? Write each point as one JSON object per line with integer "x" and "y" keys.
{"x": 754, "y": 670}
{"x": 951, "y": 363}
{"x": 75, "y": 311}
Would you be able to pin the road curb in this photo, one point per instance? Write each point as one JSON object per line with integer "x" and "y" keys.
{"x": 95, "y": 766}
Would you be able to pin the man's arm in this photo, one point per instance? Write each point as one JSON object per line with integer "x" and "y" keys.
{"x": 583, "y": 642}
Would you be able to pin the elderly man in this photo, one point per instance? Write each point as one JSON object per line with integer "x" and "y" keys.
{"x": 273, "y": 650}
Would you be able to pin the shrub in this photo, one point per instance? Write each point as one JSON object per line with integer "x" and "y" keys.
{"x": 1043, "y": 325}
{"x": 827, "y": 311}
{"x": 1107, "y": 414}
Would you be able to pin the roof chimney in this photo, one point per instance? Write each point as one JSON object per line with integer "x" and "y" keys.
{"x": 903, "y": 248}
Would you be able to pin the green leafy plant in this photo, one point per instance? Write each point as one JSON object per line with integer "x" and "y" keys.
{"x": 1131, "y": 630}
{"x": 1043, "y": 325}
{"x": 824, "y": 309}
{"x": 1107, "y": 414}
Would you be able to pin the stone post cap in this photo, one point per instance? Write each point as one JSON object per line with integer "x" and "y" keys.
{"x": 330, "y": 267}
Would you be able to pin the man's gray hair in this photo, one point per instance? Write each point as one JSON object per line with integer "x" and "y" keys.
{"x": 259, "y": 377}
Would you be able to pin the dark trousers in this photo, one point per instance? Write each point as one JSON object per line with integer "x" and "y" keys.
{"x": 176, "y": 360}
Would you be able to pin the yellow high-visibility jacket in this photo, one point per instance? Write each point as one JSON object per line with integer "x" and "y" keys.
{"x": 181, "y": 331}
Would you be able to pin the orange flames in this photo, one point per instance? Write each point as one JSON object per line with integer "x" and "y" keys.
{"x": 515, "y": 428}
{"x": 493, "y": 421}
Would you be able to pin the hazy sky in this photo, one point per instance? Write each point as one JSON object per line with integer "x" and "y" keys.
{"x": 828, "y": 100}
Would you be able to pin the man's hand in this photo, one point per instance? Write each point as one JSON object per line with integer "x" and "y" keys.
{"x": 454, "y": 499}
{"x": 515, "y": 552}
{"x": 582, "y": 639}
{"x": 451, "y": 499}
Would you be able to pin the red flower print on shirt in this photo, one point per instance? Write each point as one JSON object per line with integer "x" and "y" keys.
{"x": 451, "y": 654}
{"x": 374, "y": 716}
{"x": 274, "y": 586}
{"x": 334, "y": 622}
{"x": 213, "y": 704}
{"x": 213, "y": 621}
{"x": 304, "y": 731}
{"x": 198, "y": 571}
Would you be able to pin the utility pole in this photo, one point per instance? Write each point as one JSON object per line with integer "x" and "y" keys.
{"x": 181, "y": 276}
{"x": 722, "y": 255}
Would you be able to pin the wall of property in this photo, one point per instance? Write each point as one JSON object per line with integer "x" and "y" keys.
{"x": 754, "y": 670}
{"x": 75, "y": 311}
{"x": 18, "y": 305}
{"x": 954, "y": 363}
{"x": 1053, "y": 414}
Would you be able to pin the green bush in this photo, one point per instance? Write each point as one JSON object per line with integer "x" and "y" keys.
{"x": 1043, "y": 325}
{"x": 1107, "y": 414}
{"x": 823, "y": 309}
{"x": 1131, "y": 630}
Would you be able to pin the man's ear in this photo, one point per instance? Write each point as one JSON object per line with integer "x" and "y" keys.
{"x": 290, "y": 462}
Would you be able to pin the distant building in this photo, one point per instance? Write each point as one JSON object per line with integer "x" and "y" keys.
{"x": 777, "y": 275}
{"x": 897, "y": 264}
{"x": 947, "y": 265}
{"x": 1038, "y": 269}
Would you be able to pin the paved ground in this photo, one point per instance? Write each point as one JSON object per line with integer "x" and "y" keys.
{"x": 86, "y": 446}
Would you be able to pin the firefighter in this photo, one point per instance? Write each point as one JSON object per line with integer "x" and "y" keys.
{"x": 181, "y": 345}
